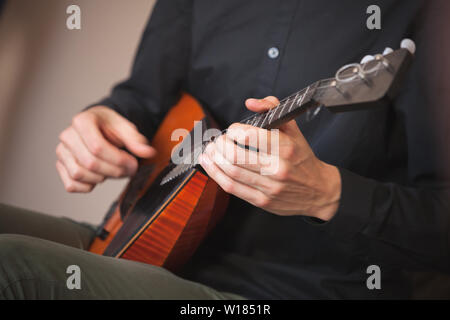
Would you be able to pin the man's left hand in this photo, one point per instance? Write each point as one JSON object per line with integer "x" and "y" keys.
{"x": 301, "y": 183}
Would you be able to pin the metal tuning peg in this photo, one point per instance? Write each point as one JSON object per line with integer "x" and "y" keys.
{"x": 387, "y": 51}
{"x": 367, "y": 59}
{"x": 338, "y": 88}
{"x": 350, "y": 72}
{"x": 409, "y": 45}
{"x": 385, "y": 62}
{"x": 360, "y": 73}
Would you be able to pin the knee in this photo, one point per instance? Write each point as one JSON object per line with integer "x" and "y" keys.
{"x": 13, "y": 262}
{"x": 30, "y": 267}
{"x": 12, "y": 246}
{"x": 11, "y": 243}
{"x": 14, "y": 251}
{"x": 22, "y": 265}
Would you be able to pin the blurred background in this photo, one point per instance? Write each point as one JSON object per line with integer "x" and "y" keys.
{"x": 48, "y": 74}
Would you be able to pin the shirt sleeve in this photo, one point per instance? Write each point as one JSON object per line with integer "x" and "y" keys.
{"x": 408, "y": 225}
{"x": 160, "y": 67}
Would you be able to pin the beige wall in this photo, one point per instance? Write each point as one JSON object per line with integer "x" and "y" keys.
{"x": 47, "y": 74}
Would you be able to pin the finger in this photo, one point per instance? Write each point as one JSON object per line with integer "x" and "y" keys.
{"x": 265, "y": 141}
{"x": 260, "y": 162}
{"x": 239, "y": 174}
{"x": 261, "y": 105}
{"x": 76, "y": 172}
{"x": 71, "y": 185}
{"x": 268, "y": 146}
{"x": 247, "y": 135}
{"x": 291, "y": 129}
{"x": 244, "y": 192}
{"x": 244, "y": 158}
{"x": 124, "y": 131}
{"x": 75, "y": 145}
{"x": 88, "y": 129}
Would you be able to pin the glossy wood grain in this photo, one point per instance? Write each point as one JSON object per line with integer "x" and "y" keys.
{"x": 182, "y": 115}
{"x": 157, "y": 240}
{"x": 164, "y": 234}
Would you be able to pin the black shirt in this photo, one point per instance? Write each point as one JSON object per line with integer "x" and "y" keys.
{"x": 393, "y": 212}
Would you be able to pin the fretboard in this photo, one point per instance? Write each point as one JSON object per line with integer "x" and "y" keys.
{"x": 289, "y": 108}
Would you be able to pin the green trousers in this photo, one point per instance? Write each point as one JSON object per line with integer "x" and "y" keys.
{"x": 45, "y": 257}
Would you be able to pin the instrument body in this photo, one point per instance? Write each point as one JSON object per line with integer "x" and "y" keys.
{"x": 163, "y": 224}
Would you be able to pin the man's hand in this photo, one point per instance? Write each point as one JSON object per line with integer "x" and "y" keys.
{"x": 301, "y": 185}
{"x": 90, "y": 149}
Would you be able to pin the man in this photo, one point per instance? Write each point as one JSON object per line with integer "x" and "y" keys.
{"x": 353, "y": 190}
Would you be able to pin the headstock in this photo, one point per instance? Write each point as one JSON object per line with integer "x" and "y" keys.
{"x": 359, "y": 86}
{"x": 355, "y": 86}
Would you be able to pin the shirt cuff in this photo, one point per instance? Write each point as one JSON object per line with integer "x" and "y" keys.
{"x": 354, "y": 209}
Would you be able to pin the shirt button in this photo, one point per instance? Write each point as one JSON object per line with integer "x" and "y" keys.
{"x": 273, "y": 53}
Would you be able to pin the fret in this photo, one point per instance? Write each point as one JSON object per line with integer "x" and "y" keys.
{"x": 258, "y": 117}
{"x": 273, "y": 111}
{"x": 279, "y": 110}
{"x": 281, "y": 113}
{"x": 255, "y": 120}
{"x": 293, "y": 101}
{"x": 303, "y": 97}
{"x": 265, "y": 118}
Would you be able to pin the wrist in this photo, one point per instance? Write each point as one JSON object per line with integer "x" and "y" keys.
{"x": 331, "y": 194}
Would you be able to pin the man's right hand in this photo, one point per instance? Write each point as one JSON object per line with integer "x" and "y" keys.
{"x": 91, "y": 149}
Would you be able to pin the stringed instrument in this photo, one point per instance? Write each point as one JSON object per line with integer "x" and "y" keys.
{"x": 168, "y": 208}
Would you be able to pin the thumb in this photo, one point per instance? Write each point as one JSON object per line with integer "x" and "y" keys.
{"x": 291, "y": 128}
{"x": 125, "y": 134}
{"x": 270, "y": 102}
{"x": 261, "y": 105}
